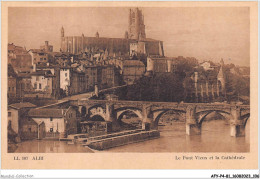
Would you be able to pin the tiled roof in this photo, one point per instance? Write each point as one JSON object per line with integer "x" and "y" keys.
{"x": 37, "y": 50}
{"x": 22, "y": 105}
{"x": 24, "y": 75}
{"x": 47, "y": 112}
{"x": 41, "y": 73}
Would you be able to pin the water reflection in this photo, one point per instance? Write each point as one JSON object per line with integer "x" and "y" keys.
{"x": 50, "y": 146}
{"x": 215, "y": 137}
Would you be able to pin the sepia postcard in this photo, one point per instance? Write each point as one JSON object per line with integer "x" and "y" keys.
{"x": 129, "y": 85}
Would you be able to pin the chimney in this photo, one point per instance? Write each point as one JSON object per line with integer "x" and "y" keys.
{"x": 34, "y": 67}
{"x": 96, "y": 90}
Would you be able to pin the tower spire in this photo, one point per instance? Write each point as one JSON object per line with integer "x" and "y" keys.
{"x": 136, "y": 27}
{"x": 62, "y": 31}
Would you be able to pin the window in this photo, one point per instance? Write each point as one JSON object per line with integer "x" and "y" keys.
{"x": 65, "y": 74}
{"x": 35, "y": 85}
{"x": 51, "y": 129}
{"x": 41, "y": 59}
{"x": 9, "y": 114}
{"x": 40, "y": 86}
{"x": 30, "y": 129}
{"x": 12, "y": 88}
{"x": 51, "y": 119}
{"x": 37, "y": 78}
{"x": 9, "y": 89}
{"x": 34, "y": 59}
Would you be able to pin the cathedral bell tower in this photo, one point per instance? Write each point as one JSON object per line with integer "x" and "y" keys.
{"x": 136, "y": 27}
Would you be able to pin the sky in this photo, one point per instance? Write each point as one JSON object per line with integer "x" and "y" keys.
{"x": 206, "y": 33}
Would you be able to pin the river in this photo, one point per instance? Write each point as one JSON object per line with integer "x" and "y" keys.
{"x": 215, "y": 137}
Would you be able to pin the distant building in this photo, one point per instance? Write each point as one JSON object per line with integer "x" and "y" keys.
{"x": 55, "y": 71}
{"x": 19, "y": 58}
{"x": 42, "y": 82}
{"x": 24, "y": 85}
{"x": 12, "y": 87}
{"x": 65, "y": 78}
{"x": 206, "y": 85}
{"x": 12, "y": 82}
{"x": 39, "y": 56}
{"x": 135, "y": 40}
{"x": 132, "y": 70}
{"x": 78, "y": 84}
{"x": 46, "y": 47}
{"x": 105, "y": 76}
{"x": 161, "y": 65}
{"x": 58, "y": 122}
{"x": 16, "y": 113}
{"x": 110, "y": 76}
{"x": 208, "y": 65}
{"x": 13, "y": 49}
{"x": 92, "y": 77}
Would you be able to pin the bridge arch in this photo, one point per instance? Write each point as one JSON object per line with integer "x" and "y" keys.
{"x": 120, "y": 117}
{"x": 98, "y": 117}
{"x": 245, "y": 118}
{"x": 203, "y": 114}
{"x": 121, "y": 111}
{"x": 157, "y": 114}
{"x": 97, "y": 110}
{"x": 97, "y": 106}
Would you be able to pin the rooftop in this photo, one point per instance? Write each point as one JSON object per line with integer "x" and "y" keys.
{"x": 22, "y": 105}
{"x": 37, "y": 51}
{"x": 47, "y": 112}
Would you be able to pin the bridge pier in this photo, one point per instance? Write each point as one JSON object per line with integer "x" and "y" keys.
{"x": 147, "y": 122}
{"x": 113, "y": 124}
{"x": 192, "y": 127}
{"x": 237, "y": 128}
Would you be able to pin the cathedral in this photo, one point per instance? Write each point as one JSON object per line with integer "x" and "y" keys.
{"x": 133, "y": 43}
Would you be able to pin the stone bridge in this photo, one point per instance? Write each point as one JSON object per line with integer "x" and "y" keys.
{"x": 151, "y": 113}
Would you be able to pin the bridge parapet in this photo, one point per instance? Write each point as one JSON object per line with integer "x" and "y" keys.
{"x": 151, "y": 112}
